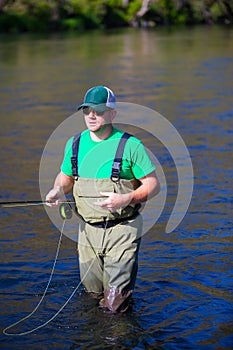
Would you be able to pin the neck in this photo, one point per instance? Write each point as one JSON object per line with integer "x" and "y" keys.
{"x": 101, "y": 134}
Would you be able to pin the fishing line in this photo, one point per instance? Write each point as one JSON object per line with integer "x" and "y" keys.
{"x": 44, "y": 294}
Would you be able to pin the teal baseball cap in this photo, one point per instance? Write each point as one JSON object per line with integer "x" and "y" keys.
{"x": 99, "y": 98}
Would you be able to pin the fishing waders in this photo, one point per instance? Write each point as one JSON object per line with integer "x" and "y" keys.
{"x": 108, "y": 241}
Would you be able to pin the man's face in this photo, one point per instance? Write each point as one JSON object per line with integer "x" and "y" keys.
{"x": 95, "y": 120}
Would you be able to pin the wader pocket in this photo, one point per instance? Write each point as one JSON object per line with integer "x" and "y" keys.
{"x": 87, "y": 192}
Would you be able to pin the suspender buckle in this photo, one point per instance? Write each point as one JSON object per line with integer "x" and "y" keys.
{"x": 74, "y": 167}
{"x": 116, "y": 168}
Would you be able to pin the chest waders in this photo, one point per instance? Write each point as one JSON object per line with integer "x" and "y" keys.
{"x": 108, "y": 241}
{"x": 86, "y": 191}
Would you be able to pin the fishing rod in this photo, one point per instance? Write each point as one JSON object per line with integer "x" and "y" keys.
{"x": 65, "y": 207}
{"x": 25, "y": 203}
{"x": 12, "y": 204}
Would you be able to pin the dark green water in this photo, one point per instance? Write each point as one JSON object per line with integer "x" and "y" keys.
{"x": 183, "y": 294}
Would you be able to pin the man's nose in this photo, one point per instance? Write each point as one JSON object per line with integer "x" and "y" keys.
{"x": 92, "y": 113}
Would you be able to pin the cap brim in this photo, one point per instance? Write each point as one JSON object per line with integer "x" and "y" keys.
{"x": 97, "y": 108}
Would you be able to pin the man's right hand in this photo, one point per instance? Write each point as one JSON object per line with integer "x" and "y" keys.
{"x": 53, "y": 197}
{"x": 63, "y": 185}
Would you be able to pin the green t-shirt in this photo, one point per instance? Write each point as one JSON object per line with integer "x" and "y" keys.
{"x": 95, "y": 158}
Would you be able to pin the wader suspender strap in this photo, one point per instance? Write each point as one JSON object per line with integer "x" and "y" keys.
{"x": 116, "y": 167}
{"x": 74, "y": 158}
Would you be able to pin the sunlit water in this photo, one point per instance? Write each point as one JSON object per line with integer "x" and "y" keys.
{"x": 183, "y": 293}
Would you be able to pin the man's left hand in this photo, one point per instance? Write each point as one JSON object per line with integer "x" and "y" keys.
{"x": 114, "y": 201}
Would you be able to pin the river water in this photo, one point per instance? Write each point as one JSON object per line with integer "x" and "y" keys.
{"x": 183, "y": 293}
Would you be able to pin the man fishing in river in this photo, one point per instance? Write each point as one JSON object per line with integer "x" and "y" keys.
{"x": 110, "y": 174}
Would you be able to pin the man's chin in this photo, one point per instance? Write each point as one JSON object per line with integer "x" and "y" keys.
{"x": 97, "y": 128}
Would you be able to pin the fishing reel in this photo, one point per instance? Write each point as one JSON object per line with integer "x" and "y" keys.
{"x": 66, "y": 211}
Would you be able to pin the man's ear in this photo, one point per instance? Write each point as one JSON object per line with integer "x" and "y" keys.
{"x": 113, "y": 114}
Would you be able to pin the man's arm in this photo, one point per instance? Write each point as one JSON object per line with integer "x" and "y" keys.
{"x": 149, "y": 188}
{"x": 63, "y": 184}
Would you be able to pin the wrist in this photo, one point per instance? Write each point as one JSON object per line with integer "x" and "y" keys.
{"x": 130, "y": 198}
{"x": 57, "y": 190}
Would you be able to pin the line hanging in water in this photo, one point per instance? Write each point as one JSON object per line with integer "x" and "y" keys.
{"x": 5, "y": 331}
